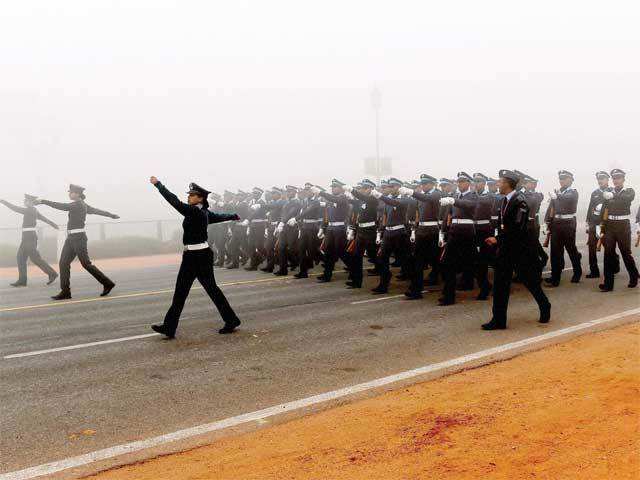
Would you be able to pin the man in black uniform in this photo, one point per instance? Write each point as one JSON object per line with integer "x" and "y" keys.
{"x": 256, "y": 229}
{"x": 616, "y": 228}
{"x": 364, "y": 229}
{"x": 287, "y": 232}
{"x": 309, "y": 224}
{"x": 484, "y": 210}
{"x": 28, "y": 248}
{"x": 594, "y": 219}
{"x": 460, "y": 250}
{"x": 561, "y": 220}
{"x": 238, "y": 243}
{"x": 514, "y": 252}
{"x": 76, "y": 242}
{"x": 197, "y": 258}
{"x": 335, "y": 240}
{"x": 534, "y": 201}
{"x": 425, "y": 232}
{"x": 392, "y": 236}
{"x": 274, "y": 212}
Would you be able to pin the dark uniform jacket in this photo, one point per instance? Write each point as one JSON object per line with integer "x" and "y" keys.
{"x": 78, "y": 212}
{"x": 464, "y": 209}
{"x": 30, "y": 215}
{"x": 565, "y": 204}
{"x": 310, "y": 214}
{"x": 514, "y": 241}
{"x": 366, "y": 210}
{"x": 290, "y": 209}
{"x": 395, "y": 212}
{"x": 620, "y": 204}
{"x": 337, "y": 209}
{"x": 428, "y": 208}
{"x": 594, "y": 212}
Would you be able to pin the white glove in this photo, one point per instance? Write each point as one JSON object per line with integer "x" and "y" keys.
{"x": 244, "y": 223}
{"x": 607, "y": 195}
{"x": 255, "y": 206}
{"x": 229, "y": 232}
{"x": 348, "y": 195}
{"x": 405, "y": 191}
{"x": 248, "y": 231}
{"x": 553, "y": 195}
{"x": 376, "y": 193}
{"x": 350, "y": 234}
{"x": 445, "y": 201}
{"x": 266, "y": 233}
{"x": 315, "y": 190}
{"x": 280, "y": 227}
{"x": 598, "y": 231}
{"x": 291, "y": 222}
{"x": 347, "y": 188}
{"x": 412, "y": 238}
{"x": 378, "y": 238}
{"x": 220, "y": 204}
{"x": 323, "y": 204}
{"x": 441, "y": 241}
{"x": 321, "y": 234}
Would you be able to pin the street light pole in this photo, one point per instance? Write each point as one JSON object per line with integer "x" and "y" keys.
{"x": 376, "y": 102}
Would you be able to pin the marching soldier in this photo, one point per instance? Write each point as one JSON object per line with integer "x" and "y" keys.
{"x": 274, "y": 212}
{"x": 335, "y": 240}
{"x": 594, "y": 219}
{"x": 238, "y": 242}
{"x": 616, "y": 228}
{"x": 483, "y": 213}
{"x": 364, "y": 229}
{"x": 222, "y": 236}
{"x": 28, "y": 248}
{"x": 460, "y": 251}
{"x": 76, "y": 243}
{"x": 492, "y": 186}
{"x": 197, "y": 258}
{"x": 256, "y": 229}
{"x": 425, "y": 232}
{"x": 534, "y": 201}
{"x": 287, "y": 232}
{"x": 217, "y": 231}
{"x": 392, "y": 235}
{"x": 514, "y": 253}
{"x": 561, "y": 220}
{"x": 309, "y": 225}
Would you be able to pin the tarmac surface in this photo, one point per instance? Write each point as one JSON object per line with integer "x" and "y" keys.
{"x": 297, "y": 339}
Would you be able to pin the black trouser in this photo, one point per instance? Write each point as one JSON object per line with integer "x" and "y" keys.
{"x": 396, "y": 243}
{"x": 287, "y": 248}
{"x": 307, "y": 246}
{"x": 218, "y": 238}
{"x": 28, "y": 249}
{"x": 237, "y": 244}
{"x": 618, "y": 232}
{"x": 270, "y": 247}
{"x": 76, "y": 245}
{"x": 426, "y": 253}
{"x": 483, "y": 258}
{"x": 365, "y": 243}
{"x": 528, "y": 271}
{"x": 563, "y": 237}
{"x": 196, "y": 264}
{"x": 592, "y": 243}
{"x": 335, "y": 244}
{"x": 256, "y": 242}
{"x": 459, "y": 255}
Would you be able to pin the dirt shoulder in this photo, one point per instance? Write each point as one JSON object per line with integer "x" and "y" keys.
{"x": 568, "y": 411}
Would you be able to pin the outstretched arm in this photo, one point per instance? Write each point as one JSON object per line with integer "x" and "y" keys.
{"x": 221, "y": 217}
{"x": 57, "y": 205}
{"x": 102, "y": 213}
{"x": 44, "y": 219}
{"x": 13, "y": 207}
{"x": 182, "y": 208}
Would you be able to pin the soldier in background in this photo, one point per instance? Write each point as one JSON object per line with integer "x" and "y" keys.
{"x": 256, "y": 229}
{"x": 274, "y": 206}
{"x": 309, "y": 225}
{"x": 534, "y": 201}
{"x": 364, "y": 229}
{"x": 287, "y": 232}
{"x": 337, "y": 212}
{"x": 561, "y": 220}
{"x": 484, "y": 210}
{"x": 28, "y": 248}
{"x": 594, "y": 219}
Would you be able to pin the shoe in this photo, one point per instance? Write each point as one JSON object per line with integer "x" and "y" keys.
{"x": 545, "y": 314}
{"x": 159, "y": 328}
{"x": 229, "y": 327}
{"x": 301, "y": 275}
{"x": 379, "y": 290}
{"x": 352, "y": 285}
{"x": 549, "y": 282}
{"x": 251, "y": 269}
{"x": 52, "y": 279}
{"x": 593, "y": 275}
{"x": 63, "y": 295}
{"x": 412, "y": 295}
{"x": 18, "y": 284}
{"x": 107, "y": 289}
{"x": 323, "y": 279}
{"x": 633, "y": 283}
{"x": 492, "y": 325}
{"x": 605, "y": 288}
{"x": 443, "y": 302}
{"x": 267, "y": 269}
{"x": 575, "y": 279}
{"x": 280, "y": 273}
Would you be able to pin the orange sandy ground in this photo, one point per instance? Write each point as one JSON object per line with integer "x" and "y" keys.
{"x": 570, "y": 411}
{"x": 105, "y": 264}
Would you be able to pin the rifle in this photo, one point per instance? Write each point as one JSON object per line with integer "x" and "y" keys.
{"x": 552, "y": 214}
{"x": 638, "y": 240}
{"x": 605, "y": 217}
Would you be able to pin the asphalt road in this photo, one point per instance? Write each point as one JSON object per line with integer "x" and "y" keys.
{"x": 298, "y": 338}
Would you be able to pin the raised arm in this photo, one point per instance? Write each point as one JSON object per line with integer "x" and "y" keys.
{"x": 334, "y": 198}
{"x": 57, "y": 205}
{"x": 103, "y": 213}
{"x": 182, "y": 208}
{"x": 221, "y": 217}
{"x": 13, "y": 207}
{"x": 44, "y": 219}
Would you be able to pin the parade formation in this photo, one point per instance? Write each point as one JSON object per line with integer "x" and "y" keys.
{"x": 434, "y": 231}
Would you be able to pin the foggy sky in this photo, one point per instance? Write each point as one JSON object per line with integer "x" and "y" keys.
{"x": 244, "y": 93}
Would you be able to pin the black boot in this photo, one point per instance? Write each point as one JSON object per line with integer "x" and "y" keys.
{"x": 18, "y": 284}
{"x": 593, "y": 274}
{"x": 493, "y": 325}
{"x": 380, "y": 289}
{"x": 159, "y": 328}
{"x": 52, "y": 278}
{"x": 63, "y": 295}
{"x": 230, "y": 326}
{"x": 107, "y": 289}
{"x": 545, "y": 314}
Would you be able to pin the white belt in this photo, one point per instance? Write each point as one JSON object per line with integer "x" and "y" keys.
{"x": 462, "y": 221}
{"x": 336, "y": 224}
{"x": 310, "y": 220}
{"x": 367, "y": 224}
{"x": 483, "y": 222}
{"x": 565, "y": 216}
{"x": 196, "y": 246}
{"x": 275, "y": 223}
{"x": 395, "y": 227}
{"x": 494, "y": 217}
{"x": 29, "y": 229}
{"x": 258, "y": 220}
{"x": 619, "y": 217}
{"x": 428, "y": 224}
{"x": 76, "y": 230}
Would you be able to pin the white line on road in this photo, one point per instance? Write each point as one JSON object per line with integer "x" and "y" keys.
{"x": 86, "y": 459}
{"x": 80, "y": 345}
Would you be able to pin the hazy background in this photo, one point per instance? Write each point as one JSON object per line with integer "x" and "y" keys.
{"x": 240, "y": 93}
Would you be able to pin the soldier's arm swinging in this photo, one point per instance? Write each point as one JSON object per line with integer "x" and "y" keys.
{"x": 13, "y": 207}
{"x": 44, "y": 219}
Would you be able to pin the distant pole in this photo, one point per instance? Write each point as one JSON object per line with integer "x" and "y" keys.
{"x": 376, "y": 102}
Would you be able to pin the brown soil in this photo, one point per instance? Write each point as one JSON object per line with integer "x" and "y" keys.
{"x": 570, "y": 411}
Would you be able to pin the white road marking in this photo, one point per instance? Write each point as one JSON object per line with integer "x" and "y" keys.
{"x": 86, "y": 459}
{"x": 80, "y": 345}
